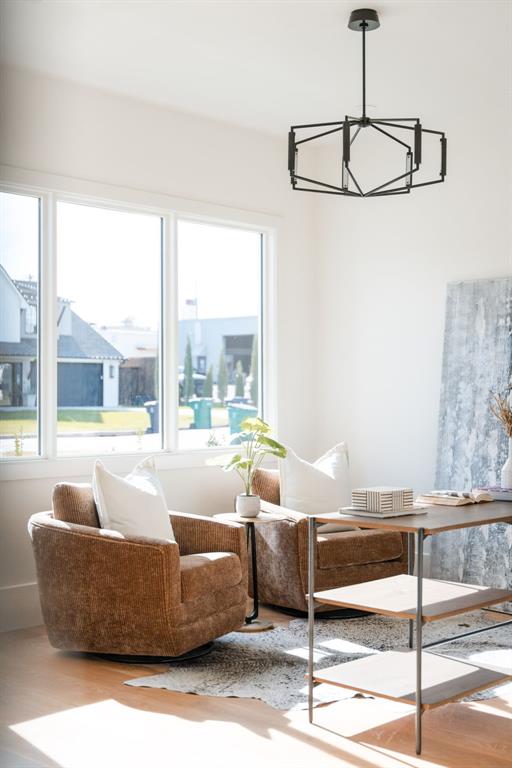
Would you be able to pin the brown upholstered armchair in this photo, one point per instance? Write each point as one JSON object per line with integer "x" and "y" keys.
{"x": 102, "y": 592}
{"x": 341, "y": 559}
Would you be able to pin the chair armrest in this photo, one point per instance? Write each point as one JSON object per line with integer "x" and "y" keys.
{"x": 94, "y": 583}
{"x": 198, "y": 533}
{"x": 47, "y": 521}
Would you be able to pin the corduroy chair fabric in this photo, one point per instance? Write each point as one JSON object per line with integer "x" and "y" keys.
{"x": 266, "y": 485}
{"x": 74, "y": 503}
{"x": 341, "y": 559}
{"x": 104, "y": 592}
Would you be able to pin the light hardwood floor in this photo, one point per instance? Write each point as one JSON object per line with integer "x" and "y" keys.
{"x": 71, "y": 711}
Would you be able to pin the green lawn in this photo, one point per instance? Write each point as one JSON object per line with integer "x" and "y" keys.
{"x": 76, "y": 420}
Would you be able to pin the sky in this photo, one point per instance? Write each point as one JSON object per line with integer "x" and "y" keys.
{"x": 108, "y": 262}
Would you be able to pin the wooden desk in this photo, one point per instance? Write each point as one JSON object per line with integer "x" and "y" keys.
{"x": 436, "y": 520}
{"x": 422, "y": 678}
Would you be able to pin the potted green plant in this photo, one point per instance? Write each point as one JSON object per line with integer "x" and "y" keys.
{"x": 255, "y": 445}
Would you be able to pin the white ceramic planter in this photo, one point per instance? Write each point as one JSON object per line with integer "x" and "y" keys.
{"x": 247, "y": 506}
{"x": 506, "y": 472}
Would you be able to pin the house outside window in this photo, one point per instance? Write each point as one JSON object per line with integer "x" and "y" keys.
{"x": 113, "y": 324}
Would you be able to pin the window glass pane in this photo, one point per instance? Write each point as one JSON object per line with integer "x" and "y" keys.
{"x": 108, "y": 317}
{"x": 19, "y": 296}
{"x": 219, "y": 285}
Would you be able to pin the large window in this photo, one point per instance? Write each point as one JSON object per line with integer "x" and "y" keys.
{"x": 108, "y": 321}
{"x": 19, "y": 301}
{"x": 219, "y": 282}
{"x": 125, "y": 330}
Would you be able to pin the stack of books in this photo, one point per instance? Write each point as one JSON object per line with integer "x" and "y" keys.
{"x": 497, "y": 492}
{"x": 382, "y": 501}
{"x": 455, "y": 498}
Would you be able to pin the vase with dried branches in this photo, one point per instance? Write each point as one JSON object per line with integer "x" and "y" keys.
{"x": 501, "y": 408}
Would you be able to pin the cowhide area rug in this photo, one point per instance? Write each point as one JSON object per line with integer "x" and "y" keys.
{"x": 271, "y": 665}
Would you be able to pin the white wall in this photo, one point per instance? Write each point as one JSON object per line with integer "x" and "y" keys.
{"x": 384, "y": 263}
{"x": 55, "y": 127}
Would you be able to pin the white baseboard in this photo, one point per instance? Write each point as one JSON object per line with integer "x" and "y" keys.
{"x": 19, "y": 607}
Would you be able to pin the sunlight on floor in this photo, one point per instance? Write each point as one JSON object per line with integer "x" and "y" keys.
{"x": 500, "y": 658}
{"x": 302, "y": 653}
{"x": 326, "y": 648}
{"x": 344, "y": 718}
{"x": 387, "y": 738}
{"x": 345, "y": 646}
{"x": 111, "y": 734}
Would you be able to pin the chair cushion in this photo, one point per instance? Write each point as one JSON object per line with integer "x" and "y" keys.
{"x": 316, "y": 488}
{"x": 74, "y": 503}
{"x": 266, "y": 484}
{"x": 134, "y": 505}
{"x": 203, "y": 574}
{"x": 336, "y": 550}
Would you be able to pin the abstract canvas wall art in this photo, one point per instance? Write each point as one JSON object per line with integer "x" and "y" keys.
{"x": 472, "y": 447}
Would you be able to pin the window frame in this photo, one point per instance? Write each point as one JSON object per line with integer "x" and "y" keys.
{"x": 27, "y": 192}
{"x": 51, "y": 190}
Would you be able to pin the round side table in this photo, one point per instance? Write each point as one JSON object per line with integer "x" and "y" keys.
{"x": 252, "y": 623}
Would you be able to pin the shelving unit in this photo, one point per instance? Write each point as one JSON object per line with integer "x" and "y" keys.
{"x": 418, "y": 677}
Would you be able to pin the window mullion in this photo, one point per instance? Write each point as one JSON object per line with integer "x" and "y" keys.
{"x": 48, "y": 328}
{"x": 268, "y": 340}
{"x": 170, "y": 385}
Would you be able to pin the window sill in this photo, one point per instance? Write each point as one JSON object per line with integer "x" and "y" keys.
{"x": 82, "y": 466}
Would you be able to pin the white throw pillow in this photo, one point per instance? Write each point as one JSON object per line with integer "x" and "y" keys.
{"x": 317, "y": 488}
{"x": 133, "y": 505}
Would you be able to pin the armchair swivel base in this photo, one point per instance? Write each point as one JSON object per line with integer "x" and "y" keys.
{"x": 335, "y": 613}
{"x": 195, "y": 653}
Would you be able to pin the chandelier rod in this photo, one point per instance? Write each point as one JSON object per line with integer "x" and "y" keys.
{"x": 364, "y": 25}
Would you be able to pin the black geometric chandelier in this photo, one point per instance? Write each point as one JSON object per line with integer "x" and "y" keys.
{"x": 410, "y": 136}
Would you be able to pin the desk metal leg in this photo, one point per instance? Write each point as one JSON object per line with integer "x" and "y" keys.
{"x": 410, "y": 571}
{"x": 311, "y": 611}
{"x": 419, "y": 637}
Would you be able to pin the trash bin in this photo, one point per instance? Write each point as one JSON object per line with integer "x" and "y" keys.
{"x": 237, "y": 414}
{"x": 202, "y": 407}
{"x": 153, "y": 409}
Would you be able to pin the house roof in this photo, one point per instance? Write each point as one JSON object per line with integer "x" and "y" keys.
{"x": 84, "y": 342}
{"x": 28, "y": 289}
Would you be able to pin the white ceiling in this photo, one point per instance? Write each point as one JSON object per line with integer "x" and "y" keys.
{"x": 260, "y": 63}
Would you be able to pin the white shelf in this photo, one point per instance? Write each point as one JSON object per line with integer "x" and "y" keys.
{"x": 392, "y": 675}
{"x": 396, "y": 596}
